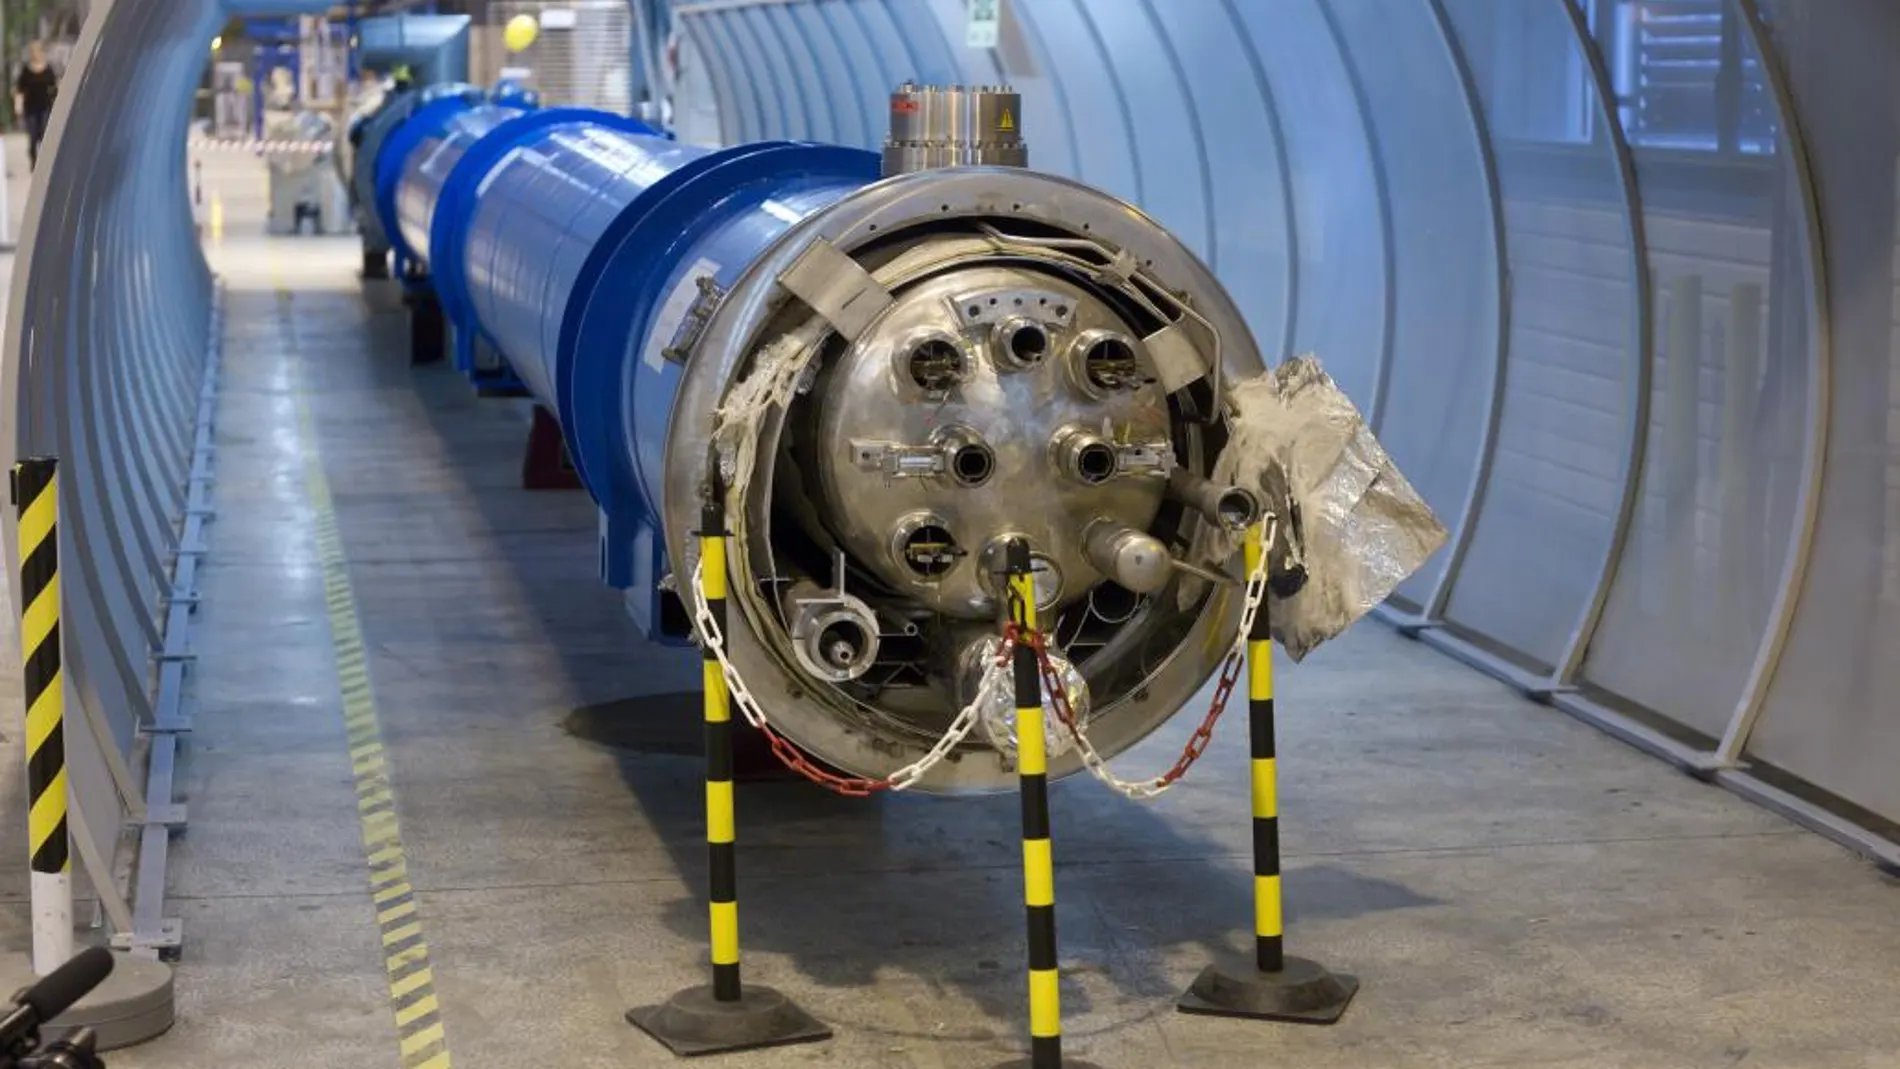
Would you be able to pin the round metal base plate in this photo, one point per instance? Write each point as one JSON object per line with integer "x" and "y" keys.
{"x": 134, "y": 1004}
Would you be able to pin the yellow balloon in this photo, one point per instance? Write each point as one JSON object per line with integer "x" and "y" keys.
{"x": 520, "y": 32}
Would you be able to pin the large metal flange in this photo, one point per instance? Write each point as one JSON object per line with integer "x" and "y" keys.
{"x": 758, "y": 307}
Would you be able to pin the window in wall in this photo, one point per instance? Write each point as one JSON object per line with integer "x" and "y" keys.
{"x": 1685, "y": 75}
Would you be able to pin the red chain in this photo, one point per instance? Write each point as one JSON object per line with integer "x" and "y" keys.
{"x": 860, "y": 787}
{"x": 794, "y": 758}
{"x": 1196, "y": 744}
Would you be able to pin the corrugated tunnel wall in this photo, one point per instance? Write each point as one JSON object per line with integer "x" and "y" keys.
{"x": 107, "y": 368}
{"x": 1614, "y": 281}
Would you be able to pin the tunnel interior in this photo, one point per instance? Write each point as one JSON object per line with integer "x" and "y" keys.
{"x": 1613, "y": 281}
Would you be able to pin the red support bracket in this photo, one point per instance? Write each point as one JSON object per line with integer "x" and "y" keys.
{"x": 546, "y": 465}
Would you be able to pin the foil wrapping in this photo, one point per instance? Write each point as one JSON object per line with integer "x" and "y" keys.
{"x": 997, "y": 715}
{"x": 1347, "y": 516}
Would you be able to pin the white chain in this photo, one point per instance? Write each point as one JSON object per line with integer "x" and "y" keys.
{"x": 959, "y": 729}
{"x": 1148, "y": 789}
{"x": 771, "y": 385}
{"x": 991, "y": 684}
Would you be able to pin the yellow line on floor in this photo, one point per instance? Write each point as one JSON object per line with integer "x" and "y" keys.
{"x": 411, "y": 974}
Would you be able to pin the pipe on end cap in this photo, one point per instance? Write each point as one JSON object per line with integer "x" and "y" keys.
{"x": 1233, "y": 507}
{"x": 1135, "y": 559}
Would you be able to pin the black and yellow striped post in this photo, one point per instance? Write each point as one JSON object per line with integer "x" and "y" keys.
{"x": 1032, "y": 771}
{"x": 1274, "y": 986}
{"x": 721, "y": 829}
{"x": 36, "y": 494}
{"x": 724, "y": 1015}
{"x": 1269, "y": 924}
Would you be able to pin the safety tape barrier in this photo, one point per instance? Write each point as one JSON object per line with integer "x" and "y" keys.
{"x": 261, "y": 144}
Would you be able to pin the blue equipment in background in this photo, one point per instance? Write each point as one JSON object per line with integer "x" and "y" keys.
{"x": 433, "y": 47}
{"x": 567, "y": 241}
{"x": 512, "y": 94}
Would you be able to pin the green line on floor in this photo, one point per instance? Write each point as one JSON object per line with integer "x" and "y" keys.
{"x": 419, "y": 1031}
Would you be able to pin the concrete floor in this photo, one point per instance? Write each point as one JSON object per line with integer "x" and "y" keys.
{"x": 1512, "y": 887}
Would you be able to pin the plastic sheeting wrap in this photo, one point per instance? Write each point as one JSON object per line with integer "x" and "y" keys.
{"x": 1346, "y": 513}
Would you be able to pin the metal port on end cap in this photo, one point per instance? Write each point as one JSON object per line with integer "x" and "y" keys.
{"x": 1085, "y": 457}
{"x": 933, "y": 362}
{"x": 967, "y": 458}
{"x": 924, "y": 546}
{"x": 834, "y": 635}
{"x": 1020, "y": 343}
{"x": 1103, "y": 362}
{"x": 1233, "y": 507}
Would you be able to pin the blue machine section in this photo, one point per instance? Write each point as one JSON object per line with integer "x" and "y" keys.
{"x": 371, "y": 133}
{"x": 707, "y": 220}
{"x": 449, "y": 230}
{"x": 426, "y": 127}
{"x": 540, "y": 209}
{"x": 512, "y": 94}
{"x": 426, "y": 168}
{"x": 575, "y": 243}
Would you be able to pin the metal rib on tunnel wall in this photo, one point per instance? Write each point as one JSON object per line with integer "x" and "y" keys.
{"x": 1569, "y": 397}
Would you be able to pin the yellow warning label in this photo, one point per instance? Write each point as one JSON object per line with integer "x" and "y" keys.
{"x": 1008, "y": 122}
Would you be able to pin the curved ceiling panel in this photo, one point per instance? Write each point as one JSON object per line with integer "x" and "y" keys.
{"x": 1086, "y": 91}
{"x": 1443, "y": 363}
{"x": 106, "y": 371}
{"x": 1727, "y": 450}
{"x": 767, "y": 53}
{"x": 1161, "y": 131}
{"x": 1555, "y": 489}
{"x": 1338, "y": 223}
{"x": 1244, "y": 197}
{"x": 984, "y": 66}
{"x": 808, "y": 66}
{"x": 766, "y": 117}
{"x": 904, "y": 60}
{"x": 738, "y": 109}
{"x": 703, "y": 111}
{"x": 861, "y": 83}
{"x": 1831, "y": 717}
{"x": 933, "y": 60}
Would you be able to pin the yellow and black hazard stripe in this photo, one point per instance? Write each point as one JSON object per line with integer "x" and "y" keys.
{"x": 1032, "y": 768}
{"x": 406, "y": 961}
{"x": 1269, "y": 944}
{"x": 721, "y": 823}
{"x": 36, "y": 493}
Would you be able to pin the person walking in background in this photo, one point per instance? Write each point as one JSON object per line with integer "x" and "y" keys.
{"x": 33, "y": 93}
